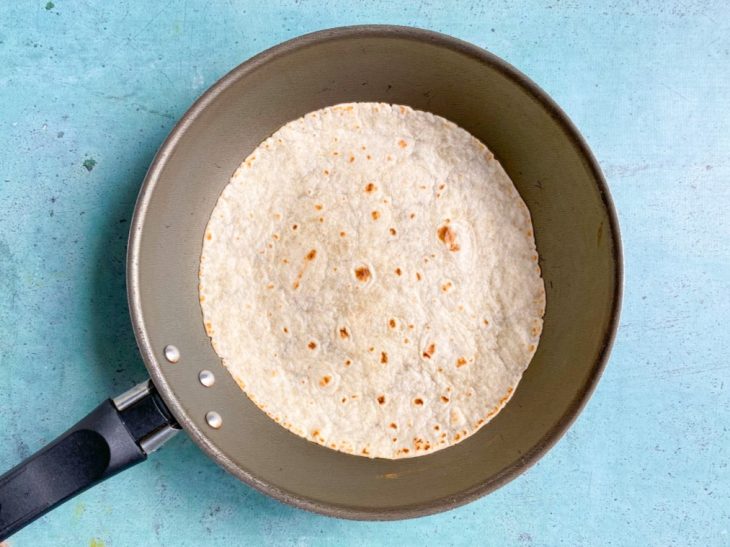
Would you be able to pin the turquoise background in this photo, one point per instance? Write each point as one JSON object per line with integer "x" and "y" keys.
{"x": 88, "y": 90}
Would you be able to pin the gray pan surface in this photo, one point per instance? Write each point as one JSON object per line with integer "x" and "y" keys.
{"x": 575, "y": 228}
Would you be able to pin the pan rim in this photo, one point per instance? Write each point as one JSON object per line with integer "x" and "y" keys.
{"x": 463, "y": 497}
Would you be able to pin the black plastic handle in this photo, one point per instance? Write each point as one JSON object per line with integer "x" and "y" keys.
{"x": 116, "y": 435}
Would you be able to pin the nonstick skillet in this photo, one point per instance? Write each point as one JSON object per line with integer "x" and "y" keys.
{"x": 576, "y": 233}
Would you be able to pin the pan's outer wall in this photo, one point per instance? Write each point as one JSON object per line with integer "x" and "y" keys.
{"x": 575, "y": 227}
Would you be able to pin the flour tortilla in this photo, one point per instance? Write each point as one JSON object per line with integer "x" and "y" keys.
{"x": 369, "y": 278}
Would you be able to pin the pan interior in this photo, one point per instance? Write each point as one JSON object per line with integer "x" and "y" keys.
{"x": 574, "y": 231}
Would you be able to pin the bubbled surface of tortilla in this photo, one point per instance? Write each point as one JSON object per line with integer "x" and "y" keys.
{"x": 369, "y": 277}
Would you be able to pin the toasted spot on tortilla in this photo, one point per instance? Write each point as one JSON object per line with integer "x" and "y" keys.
{"x": 448, "y": 237}
{"x": 362, "y": 273}
{"x": 429, "y": 351}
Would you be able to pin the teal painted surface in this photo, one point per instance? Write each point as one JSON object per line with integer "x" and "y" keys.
{"x": 89, "y": 90}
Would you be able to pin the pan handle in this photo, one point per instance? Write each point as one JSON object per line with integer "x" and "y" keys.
{"x": 116, "y": 435}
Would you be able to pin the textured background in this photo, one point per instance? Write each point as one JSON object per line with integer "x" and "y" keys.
{"x": 89, "y": 90}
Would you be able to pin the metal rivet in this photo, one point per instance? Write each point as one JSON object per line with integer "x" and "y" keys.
{"x": 214, "y": 419}
{"x": 172, "y": 354}
{"x": 206, "y": 377}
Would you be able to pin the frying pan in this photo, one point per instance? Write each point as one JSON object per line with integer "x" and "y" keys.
{"x": 576, "y": 233}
